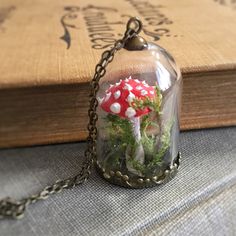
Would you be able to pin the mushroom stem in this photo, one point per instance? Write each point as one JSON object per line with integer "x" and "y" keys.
{"x": 139, "y": 151}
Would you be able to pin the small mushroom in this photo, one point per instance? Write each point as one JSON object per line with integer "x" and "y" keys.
{"x": 120, "y": 99}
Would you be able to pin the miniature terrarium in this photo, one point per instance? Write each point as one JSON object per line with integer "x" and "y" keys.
{"x": 138, "y": 118}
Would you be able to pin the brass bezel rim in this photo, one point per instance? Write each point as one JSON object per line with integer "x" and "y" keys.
{"x": 118, "y": 178}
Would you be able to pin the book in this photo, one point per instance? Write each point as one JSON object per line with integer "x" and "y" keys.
{"x": 49, "y": 49}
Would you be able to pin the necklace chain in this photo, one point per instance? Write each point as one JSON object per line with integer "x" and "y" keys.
{"x": 15, "y": 209}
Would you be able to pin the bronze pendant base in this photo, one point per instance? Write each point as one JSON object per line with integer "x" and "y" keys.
{"x": 118, "y": 178}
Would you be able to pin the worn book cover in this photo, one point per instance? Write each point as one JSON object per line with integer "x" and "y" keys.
{"x": 48, "y": 51}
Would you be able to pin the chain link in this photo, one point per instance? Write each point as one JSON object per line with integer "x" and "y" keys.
{"x": 15, "y": 209}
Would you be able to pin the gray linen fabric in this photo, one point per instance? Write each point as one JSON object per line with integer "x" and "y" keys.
{"x": 201, "y": 200}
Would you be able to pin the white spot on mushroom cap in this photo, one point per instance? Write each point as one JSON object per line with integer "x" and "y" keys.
{"x": 108, "y": 95}
{"x": 139, "y": 87}
{"x": 117, "y": 94}
{"x": 151, "y": 92}
{"x": 130, "y": 97}
{"x": 115, "y": 107}
{"x": 137, "y": 81}
{"x": 128, "y": 87}
{"x": 144, "y": 92}
{"x": 130, "y": 112}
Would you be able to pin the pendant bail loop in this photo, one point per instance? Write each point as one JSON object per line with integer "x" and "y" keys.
{"x": 135, "y": 24}
{"x": 136, "y": 42}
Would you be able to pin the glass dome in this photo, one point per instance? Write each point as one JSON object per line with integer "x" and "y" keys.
{"x": 138, "y": 117}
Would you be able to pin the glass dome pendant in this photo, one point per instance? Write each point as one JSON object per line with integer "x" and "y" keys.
{"x": 138, "y": 108}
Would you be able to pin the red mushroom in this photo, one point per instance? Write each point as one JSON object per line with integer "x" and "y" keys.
{"x": 121, "y": 99}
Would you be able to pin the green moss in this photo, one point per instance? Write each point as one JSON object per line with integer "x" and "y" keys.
{"x": 149, "y": 145}
{"x": 119, "y": 129}
{"x": 165, "y": 144}
{"x": 120, "y": 137}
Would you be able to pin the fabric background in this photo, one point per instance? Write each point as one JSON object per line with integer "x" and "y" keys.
{"x": 199, "y": 201}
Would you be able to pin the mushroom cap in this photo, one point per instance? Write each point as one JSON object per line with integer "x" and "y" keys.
{"x": 120, "y": 98}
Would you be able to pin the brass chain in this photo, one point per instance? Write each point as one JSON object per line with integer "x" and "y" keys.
{"x": 15, "y": 209}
